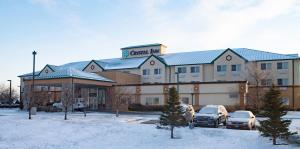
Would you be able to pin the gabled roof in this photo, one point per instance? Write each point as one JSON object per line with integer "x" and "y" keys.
{"x": 72, "y": 73}
{"x": 92, "y": 62}
{"x": 230, "y": 51}
{"x": 52, "y": 67}
{"x": 157, "y": 57}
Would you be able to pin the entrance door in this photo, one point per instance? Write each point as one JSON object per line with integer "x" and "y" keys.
{"x": 93, "y": 99}
{"x": 102, "y": 99}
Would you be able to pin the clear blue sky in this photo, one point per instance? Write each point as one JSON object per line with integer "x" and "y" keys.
{"x": 63, "y": 31}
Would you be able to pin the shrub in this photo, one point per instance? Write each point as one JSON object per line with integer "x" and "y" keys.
{"x": 140, "y": 107}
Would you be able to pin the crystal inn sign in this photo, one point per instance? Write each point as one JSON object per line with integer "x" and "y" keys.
{"x": 144, "y": 50}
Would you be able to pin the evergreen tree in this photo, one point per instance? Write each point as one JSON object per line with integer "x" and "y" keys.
{"x": 274, "y": 109}
{"x": 173, "y": 114}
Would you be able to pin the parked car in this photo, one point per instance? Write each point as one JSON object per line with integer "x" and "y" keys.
{"x": 189, "y": 112}
{"x": 79, "y": 106}
{"x": 211, "y": 115}
{"x": 58, "y": 105}
{"x": 241, "y": 119}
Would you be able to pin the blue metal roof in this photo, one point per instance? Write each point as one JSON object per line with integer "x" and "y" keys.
{"x": 120, "y": 63}
{"x": 71, "y": 73}
{"x": 196, "y": 57}
{"x": 183, "y": 58}
{"x": 256, "y": 55}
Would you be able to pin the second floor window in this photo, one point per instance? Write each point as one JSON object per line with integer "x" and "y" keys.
{"x": 181, "y": 69}
{"x": 266, "y": 66}
{"x": 282, "y": 65}
{"x": 221, "y": 68}
{"x": 236, "y": 67}
{"x": 282, "y": 82}
{"x": 157, "y": 71}
{"x": 146, "y": 72}
{"x": 195, "y": 69}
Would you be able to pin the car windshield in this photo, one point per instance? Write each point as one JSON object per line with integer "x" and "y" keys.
{"x": 208, "y": 110}
{"x": 240, "y": 115}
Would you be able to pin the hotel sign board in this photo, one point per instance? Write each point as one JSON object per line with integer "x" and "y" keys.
{"x": 142, "y": 51}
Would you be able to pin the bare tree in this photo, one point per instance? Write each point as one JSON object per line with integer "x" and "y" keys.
{"x": 67, "y": 100}
{"x": 254, "y": 75}
{"x": 120, "y": 96}
{"x": 5, "y": 96}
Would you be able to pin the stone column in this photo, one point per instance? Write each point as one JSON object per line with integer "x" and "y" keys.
{"x": 197, "y": 96}
{"x": 138, "y": 94}
{"x": 242, "y": 92}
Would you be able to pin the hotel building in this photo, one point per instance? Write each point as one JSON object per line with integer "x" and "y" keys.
{"x": 144, "y": 74}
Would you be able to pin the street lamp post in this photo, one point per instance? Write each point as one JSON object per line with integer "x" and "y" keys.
{"x": 33, "y": 75}
{"x": 9, "y": 89}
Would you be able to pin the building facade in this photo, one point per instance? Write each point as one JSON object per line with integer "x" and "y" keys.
{"x": 144, "y": 74}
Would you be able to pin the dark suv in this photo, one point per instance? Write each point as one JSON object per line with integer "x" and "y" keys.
{"x": 211, "y": 115}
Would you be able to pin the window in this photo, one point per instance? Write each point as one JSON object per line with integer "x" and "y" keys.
{"x": 266, "y": 66}
{"x": 266, "y": 82}
{"x": 185, "y": 100}
{"x": 236, "y": 67}
{"x": 181, "y": 69}
{"x": 282, "y": 82}
{"x": 282, "y": 65}
{"x": 221, "y": 68}
{"x": 146, "y": 72}
{"x": 195, "y": 69}
{"x": 152, "y": 101}
{"x": 157, "y": 71}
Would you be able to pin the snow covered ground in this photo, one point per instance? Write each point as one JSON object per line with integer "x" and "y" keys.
{"x": 105, "y": 131}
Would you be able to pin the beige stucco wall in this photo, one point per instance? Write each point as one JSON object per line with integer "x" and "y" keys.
{"x": 297, "y": 71}
{"x": 161, "y": 78}
{"x": 219, "y": 94}
{"x": 121, "y": 77}
{"x": 275, "y": 74}
{"x": 219, "y": 88}
{"x": 152, "y": 89}
{"x": 229, "y": 75}
{"x": 216, "y": 93}
{"x": 219, "y": 99}
{"x": 208, "y": 71}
